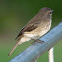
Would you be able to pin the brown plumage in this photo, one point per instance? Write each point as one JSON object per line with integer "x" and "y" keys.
{"x": 35, "y": 28}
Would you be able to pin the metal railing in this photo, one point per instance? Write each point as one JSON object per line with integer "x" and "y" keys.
{"x": 32, "y": 53}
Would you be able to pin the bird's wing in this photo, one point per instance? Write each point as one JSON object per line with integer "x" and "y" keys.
{"x": 27, "y": 28}
{"x": 31, "y": 25}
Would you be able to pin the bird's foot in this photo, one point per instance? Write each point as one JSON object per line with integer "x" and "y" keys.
{"x": 38, "y": 41}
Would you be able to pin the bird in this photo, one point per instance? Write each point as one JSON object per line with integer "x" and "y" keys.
{"x": 39, "y": 25}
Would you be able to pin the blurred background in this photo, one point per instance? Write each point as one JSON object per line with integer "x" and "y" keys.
{"x": 14, "y": 14}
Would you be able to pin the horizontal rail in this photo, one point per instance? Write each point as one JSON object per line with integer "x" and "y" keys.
{"x": 34, "y": 51}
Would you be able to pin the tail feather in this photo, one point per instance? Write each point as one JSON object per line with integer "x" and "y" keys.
{"x": 17, "y": 43}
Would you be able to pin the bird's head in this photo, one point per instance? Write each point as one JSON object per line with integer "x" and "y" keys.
{"x": 46, "y": 11}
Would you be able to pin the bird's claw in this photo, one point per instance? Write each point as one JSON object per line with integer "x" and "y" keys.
{"x": 38, "y": 41}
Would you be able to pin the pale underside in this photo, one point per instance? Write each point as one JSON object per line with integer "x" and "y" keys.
{"x": 35, "y": 34}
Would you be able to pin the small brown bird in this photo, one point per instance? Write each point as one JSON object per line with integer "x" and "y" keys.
{"x": 35, "y": 28}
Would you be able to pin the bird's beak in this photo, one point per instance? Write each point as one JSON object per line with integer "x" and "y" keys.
{"x": 52, "y": 10}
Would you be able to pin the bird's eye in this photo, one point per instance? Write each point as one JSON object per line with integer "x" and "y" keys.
{"x": 50, "y": 12}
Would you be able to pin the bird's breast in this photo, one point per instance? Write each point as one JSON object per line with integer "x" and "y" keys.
{"x": 38, "y": 32}
{"x": 44, "y": 29}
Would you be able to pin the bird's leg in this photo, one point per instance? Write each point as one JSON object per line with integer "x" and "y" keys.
{"x": 38, "y": 41}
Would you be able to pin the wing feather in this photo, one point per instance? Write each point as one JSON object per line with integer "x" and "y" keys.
{"x": 27, "y": 28}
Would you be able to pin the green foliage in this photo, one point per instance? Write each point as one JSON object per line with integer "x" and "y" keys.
{"x": 14, "y": 14}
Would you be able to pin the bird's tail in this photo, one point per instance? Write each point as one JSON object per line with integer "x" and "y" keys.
{"x": 17, "y": 43}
